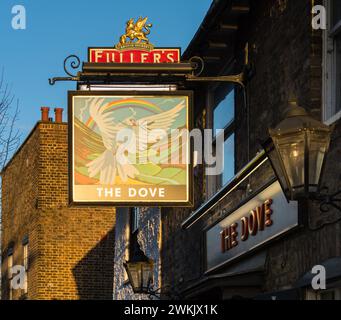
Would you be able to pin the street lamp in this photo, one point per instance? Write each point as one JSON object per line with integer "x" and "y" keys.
{"x": 140, "y": 271}
{"x": 297, "y": 150}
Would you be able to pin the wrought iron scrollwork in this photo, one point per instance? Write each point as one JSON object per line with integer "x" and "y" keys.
{"x": 73, "y": 62}
{"x": 198, "y": 65}
{"x": 328, "y": 201}
{"x": 167, "y": 291}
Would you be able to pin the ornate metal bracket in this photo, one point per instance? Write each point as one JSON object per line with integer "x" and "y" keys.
{"x": 72, "y": 62}
{"x": 169, "y": 293}
{"x": 198, "y": 65}
{"x": 328, "y": 201}
{"x": 191, "y": 71}
{"x": 238, "y": 79}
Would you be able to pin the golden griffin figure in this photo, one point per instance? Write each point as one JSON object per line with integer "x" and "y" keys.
{"x": 139, "y": 30}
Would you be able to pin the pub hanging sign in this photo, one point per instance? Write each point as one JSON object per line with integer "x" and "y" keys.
{"x": 131, "y": 148}
{"x": 134, "y": 47}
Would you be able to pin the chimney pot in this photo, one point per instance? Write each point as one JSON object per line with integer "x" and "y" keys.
{"x": 58, "y": 115}
{"x": 45, "y": 114}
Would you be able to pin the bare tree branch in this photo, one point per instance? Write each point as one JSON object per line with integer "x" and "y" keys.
{"x": 9, "y": 113}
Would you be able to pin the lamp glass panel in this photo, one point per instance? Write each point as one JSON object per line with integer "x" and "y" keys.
{"x": 139, "y": 277}
{"x": 318, "y": 146}
{"x": 147, "y": 274}
{"x": 292, "y": 151}
{"x": 134, "y": 272}
{"x": 276, "y": 165}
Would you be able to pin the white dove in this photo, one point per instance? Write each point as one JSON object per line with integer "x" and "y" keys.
{"x": 145, "y": 133}
{"x": 106, "y": 164}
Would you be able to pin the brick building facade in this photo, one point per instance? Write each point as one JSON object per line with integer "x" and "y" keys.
{"x": 69, "y": 250}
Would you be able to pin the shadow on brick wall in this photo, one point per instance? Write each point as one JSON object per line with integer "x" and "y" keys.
{"x": 94, "y": 274}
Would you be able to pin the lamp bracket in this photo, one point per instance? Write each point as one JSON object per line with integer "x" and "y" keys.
{"x": 240, "y": 79}
{"x": 171, "y": 294}
{"x": 328, "y": 201}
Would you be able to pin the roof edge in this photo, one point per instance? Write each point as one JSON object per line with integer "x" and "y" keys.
{"x": 25, "y": 141}
{"x": 215, "y": 9}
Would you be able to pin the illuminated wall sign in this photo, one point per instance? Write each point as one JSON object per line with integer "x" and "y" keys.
{"x": 112, "y": 55}
{"x": 130, "y": 148}
{"x": 258, "y": 221}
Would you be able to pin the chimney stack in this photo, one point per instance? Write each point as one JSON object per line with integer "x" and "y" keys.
{"x": 45, "y": 114}
{"x": 58, "y": 115}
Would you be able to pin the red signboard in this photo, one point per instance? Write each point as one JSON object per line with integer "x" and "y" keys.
{"x": 112, "y": 55}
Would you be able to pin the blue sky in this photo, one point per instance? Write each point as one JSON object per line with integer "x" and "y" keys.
{"x": 56, "y": 29}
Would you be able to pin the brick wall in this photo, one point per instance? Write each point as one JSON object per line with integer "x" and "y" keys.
{"x": 71, "y": 249}
{"x": 19, "y": 218}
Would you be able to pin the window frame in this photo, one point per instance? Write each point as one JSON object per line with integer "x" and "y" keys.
{"x": 229, "y": 130}
{"x": 26, "y": 264}
{"x": 10, "y": 258}
{"x": 328, "y": 68}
